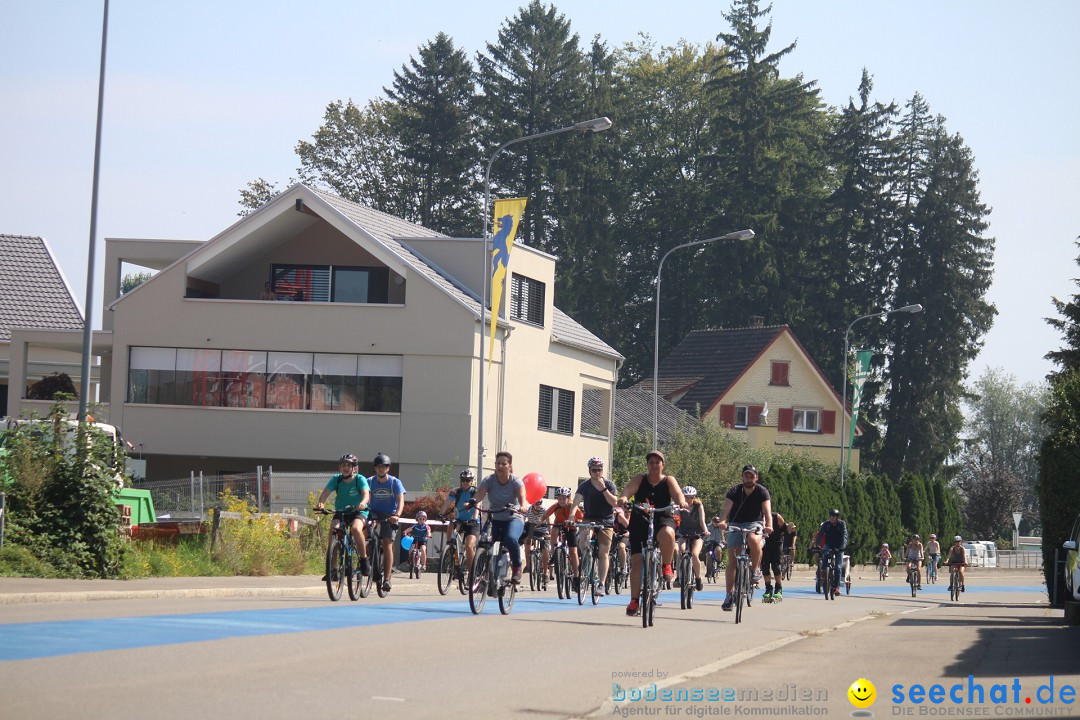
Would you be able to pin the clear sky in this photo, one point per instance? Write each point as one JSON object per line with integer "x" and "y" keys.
{"x": 202, "y": 97}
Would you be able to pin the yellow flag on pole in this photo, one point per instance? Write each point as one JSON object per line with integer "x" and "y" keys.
{"x": 507, "y": 216}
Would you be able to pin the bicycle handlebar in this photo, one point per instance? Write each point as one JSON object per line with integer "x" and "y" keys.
{"x": 650, "y": 510}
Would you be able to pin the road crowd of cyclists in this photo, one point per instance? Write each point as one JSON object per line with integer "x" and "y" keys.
{"x": 605, "y": 512}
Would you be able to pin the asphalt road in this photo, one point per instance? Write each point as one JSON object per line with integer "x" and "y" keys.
{"x": 278, "y": 648}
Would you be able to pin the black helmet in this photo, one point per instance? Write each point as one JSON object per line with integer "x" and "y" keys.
{"x": 749, "y": 469}
{"x": 349, "y": 458}
{"x": 381, "y": 459}
{"x": 834, "y": 513}
{"x": 467, "y": 474}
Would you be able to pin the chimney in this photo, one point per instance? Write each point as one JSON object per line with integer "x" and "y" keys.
{"x": 757, "y": 321}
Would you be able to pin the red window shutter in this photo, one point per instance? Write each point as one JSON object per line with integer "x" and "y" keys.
{"x": 779, "y": 373}
{"x": 828, "y": 421}
{"x": 727, "y": 415}
{"x": 755, "y": 413}
{"x": 786, "y": 419}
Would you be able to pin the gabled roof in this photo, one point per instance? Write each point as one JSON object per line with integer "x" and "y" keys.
{"x": 33, "y": 290}
{"x": 634, "y": 411}
{"x": 717, "y": 358}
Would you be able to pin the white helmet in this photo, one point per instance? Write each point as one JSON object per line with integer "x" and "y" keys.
{"x": 690, "y": 490}
{"x": 563, "y": 492}
{"x": 956, "y": 538}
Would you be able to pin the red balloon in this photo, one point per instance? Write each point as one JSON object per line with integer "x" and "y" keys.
{"x": 535, "y": 487}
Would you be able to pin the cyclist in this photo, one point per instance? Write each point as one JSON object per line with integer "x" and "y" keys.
{"x": 564, "y": 514}
{"x": 913, "y": 554}
{"x": 884, "y": 557}
{"x": 387, "y": 502}
{"x": 465, "y": 519}
{"x": 350, "y": 490}
{"x": 420, "y": 532}
{"x": 772, "y": 551}
{"x": 622, "y": 533}
{"x": 536, "y": 531}
{"x": 691, "y": 530}
{"x": 715, "y": 543}
{"x": 933, "y": 552}
{"x": 506, "y": 491}
{"x": 658, "y": 490}
{"x": 835, "y": 534}
{"x": 747, "y": 508}
{"x": 957, "y": 557}
{"x": 597, "y": 497}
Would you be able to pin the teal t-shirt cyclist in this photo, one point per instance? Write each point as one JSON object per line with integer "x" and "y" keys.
{"x": 350, "y": 490}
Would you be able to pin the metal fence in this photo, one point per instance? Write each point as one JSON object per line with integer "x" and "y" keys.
{"x": 1031, "y": 559}
{"x": 266, "y": 490}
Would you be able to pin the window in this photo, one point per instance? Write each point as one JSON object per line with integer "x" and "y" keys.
{"x": 329, "y": 283}
{"x": 805, "y": 420}
{"x": 556, "y": 410}
{"x": 526, "y": 300}
{"x": 152, "y": 375}
{"x": 742, "y": 412}
{"x": 257, "y": 379}
{"x": 779, "y": 372}
{"x": 595, "y": 411}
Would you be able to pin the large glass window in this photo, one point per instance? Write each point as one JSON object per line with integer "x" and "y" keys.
{"x": 198, "y": 377}
{"x": 361, "y": 285}
{"x": 152, "y": 375}
{"x": 257, "y": 379}
{"x": 287, "y": 380}
{"x": 243, "y": 378}
{"x": 334, "y": 383}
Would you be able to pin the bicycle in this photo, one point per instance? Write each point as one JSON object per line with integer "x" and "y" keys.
{"x": 743, "y": 591}
{"x": 452, "y": 564}
{"x": 490, "y": 572}
{"x": 650, "y": 565}
{"x": 564, "y": 575}
{"x": 342, "y": 558}
{"x": 785, "y": 567}
{"x": 374, "y": 553}
{"x": 618, "y": 572}
{"x": 931, "y": 570}
{"x": 954, "y": 581}
{"x": 588, "y": 563}
{"x": 538, "y": 573}
{"x": 883, "y": 570}
{"x": 913, "y": 576}
{"x": 714, "y": 565}
{"x": 829, "y": 579}
{"x": 414, "y": 561}
{"x": 686, "y": 572}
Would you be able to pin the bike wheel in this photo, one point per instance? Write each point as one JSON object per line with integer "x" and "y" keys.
{"x": 335, "y": 569}
{"x": 648, "y": 582}
{"x": 507, "y": 594}
{"x": 447, "y": 565}
{"x": 913, "y": 578}
{"x": 584, "y": 571}
{"x": 594, "y": 579}
{"x": 534, "y": 577}
{"x": 377, "y": 567}
{"x": 478, "y": 581}
{"x": 560, "y": 569}
{"x": 741, "y": 572}
{"x": 685, "y": 586}
{"x": 352, "y": 571}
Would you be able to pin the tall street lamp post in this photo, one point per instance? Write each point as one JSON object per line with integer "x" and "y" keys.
{"x": 738, "y": 235}
{"x": 843, "y": 408}
{"x": 595, "y": 125}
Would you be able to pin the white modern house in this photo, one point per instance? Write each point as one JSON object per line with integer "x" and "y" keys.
{"x": 316, "y": 326}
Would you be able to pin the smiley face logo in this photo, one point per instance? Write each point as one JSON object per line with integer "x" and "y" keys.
{"x": 862, "y": 693}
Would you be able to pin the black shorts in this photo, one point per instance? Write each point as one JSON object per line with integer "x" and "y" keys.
{"x": 639, "y": 528}
{"x": 386, "y": 529}
{"x": 772, "y": 556}
{"x": 467, "y": 528}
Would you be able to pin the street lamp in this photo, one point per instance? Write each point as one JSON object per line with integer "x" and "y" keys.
{"x": 916, "y": 308}
{"x": 595, "y": 125}
{"x": 738, "y": 235}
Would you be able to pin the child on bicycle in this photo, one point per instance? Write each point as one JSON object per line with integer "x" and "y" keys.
{"x": 884, "y": 557}
{"x": 715, "y": 543}
{"x": 691, "y": 531}
{"x": 420, "y": 532}
{"x": 957, "y": 558}
{"x": 564, "y": 515}
{"x": 536, "y": 531}
{"x": 913, "y": 553}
